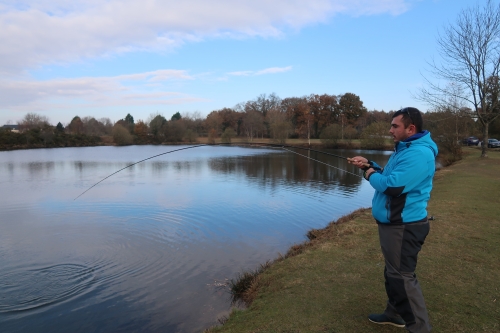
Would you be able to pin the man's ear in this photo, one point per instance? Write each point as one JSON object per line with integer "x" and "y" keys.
{"x": 414, "y": 129}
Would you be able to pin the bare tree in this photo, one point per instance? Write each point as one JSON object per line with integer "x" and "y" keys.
{"x": 448, "y": 126}
{"x": 33, "y": 120}
{"x": 92, "y": 126}
{"x": 253, "y": 122}
{"x": 263, "y": 103}
{"x": 194, "y": 123}
{"x": 470, "y": 51}
{"x": 107, "y": 124}
{"x": 279, "y": 126}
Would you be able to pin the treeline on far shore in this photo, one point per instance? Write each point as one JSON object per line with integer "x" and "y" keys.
{"x": 334, "y": 121}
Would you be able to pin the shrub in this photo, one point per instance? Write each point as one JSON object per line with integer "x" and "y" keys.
{"x": 190, "y": 136}
{"x": 281, "y": 130}
{"x": 121, "y": 136}
{"x": 374, "y": 136}
{"x": 174, "y": 130}
{"x": 331, "y": 135}
{"x": 212, "y": 134}
{"x": 228, "y": 134}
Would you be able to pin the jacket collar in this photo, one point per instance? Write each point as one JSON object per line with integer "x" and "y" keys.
{"x": 407, "y": 143}
{"x": 416, "y": 136}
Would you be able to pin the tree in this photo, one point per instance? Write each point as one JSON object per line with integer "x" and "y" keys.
{"x": 75, "y": 126}
{"x": 372, "y": 117}
{"x": 231, "y": 119}
{"x": 324, "y": 110}
{"x": 60, "y": 127}
{"x": 351, "y": 107}
{"x": 349, "y": 133}
{"x": 279, "y": 126}
{"x": 174, "y": 130}
{"x": 107, "y": 125}
{"x": 448, "y": 127}
{"x": 129, "y": 119}
{"x": 194, "y": 123}
{"x": 212, "y": 134}
{"x": 470, "y": 51}
{"x": 155, "y": 125}
{"x": 228, "y": 134}
{"x": 213, "y": 122}
{"x": 331, "y": 135}
{"x": 127, "y": 122}
{"x": 91, "y": 126}
{"x": 263, "y": 103}
{"x": 304, "y": 120}
{"x": 176, "y": 116}
{"x": 253, "y": 122}
{"x": 289, "y": 106}
{"x": 190, "y": 135}
{"x": 32, "y": 121}
{"x": 141, "y": 130}
{"x": 373, "y": 136}
{"x": 121, "y": 135}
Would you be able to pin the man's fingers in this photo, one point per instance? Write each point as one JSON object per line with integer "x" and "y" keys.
{"x": 353, "y": 161}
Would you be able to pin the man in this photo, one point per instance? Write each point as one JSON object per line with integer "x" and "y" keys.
{"x": 399, "y": 206}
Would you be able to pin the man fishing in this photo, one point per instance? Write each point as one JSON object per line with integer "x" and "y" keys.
{"x": 399, "y": 206}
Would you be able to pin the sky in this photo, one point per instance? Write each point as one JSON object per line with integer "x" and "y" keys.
{"x": 108, "y": 58}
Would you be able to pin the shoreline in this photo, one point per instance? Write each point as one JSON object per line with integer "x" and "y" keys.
{"x": 315, "y": 143}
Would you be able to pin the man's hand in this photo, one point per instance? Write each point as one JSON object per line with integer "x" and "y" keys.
{"x": 363, "y": 164}
{"x": 359, "y": 161}
{"x": 368, "y": 173}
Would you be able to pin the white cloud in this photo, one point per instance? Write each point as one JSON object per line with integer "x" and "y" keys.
{"x": 122, "y": 90}
{"x": 271, "y": 70}
{"x": 274, "y": 70}
{"x": 241, "y": 73}
{"x": 155, "y": 76}
{"x": 39, "y": 32}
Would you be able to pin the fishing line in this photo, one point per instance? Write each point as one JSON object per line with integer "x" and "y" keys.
{"x": 128, "y": 166}
{"x": 322, "y": 162}
{"x": 228, "y": 143}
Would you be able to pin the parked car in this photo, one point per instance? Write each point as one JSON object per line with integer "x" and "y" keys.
{"x": 471, "y": 141}
{"x": 493, "y": 143}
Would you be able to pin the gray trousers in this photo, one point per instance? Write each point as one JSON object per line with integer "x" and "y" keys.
{"x": 400, "y": 246}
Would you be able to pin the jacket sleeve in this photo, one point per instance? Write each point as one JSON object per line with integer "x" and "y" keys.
{"x": 407, "y": 173}
{"x": 375, "y": 166}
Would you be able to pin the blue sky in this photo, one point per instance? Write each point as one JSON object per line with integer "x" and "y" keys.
{"x": 99, "y": 58}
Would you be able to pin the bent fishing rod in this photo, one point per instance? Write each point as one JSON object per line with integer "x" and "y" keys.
{"x": 284, "y": 147}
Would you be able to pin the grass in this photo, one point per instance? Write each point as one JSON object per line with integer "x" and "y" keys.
{"x": 332, "y": 282}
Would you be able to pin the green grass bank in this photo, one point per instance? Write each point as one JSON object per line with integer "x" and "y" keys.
{"x": 337, "y": 280}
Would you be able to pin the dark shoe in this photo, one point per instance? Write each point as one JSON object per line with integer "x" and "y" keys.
{"x": 383, "y": 319}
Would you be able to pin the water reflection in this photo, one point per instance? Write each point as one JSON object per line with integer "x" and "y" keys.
{"x": 141, "y": 251}
{"x": 285, "y": 167}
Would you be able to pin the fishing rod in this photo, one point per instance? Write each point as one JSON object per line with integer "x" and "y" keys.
{"x": 236, "y": 143}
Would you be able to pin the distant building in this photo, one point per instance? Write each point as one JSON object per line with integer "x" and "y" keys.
{"x": 12, "y": 128}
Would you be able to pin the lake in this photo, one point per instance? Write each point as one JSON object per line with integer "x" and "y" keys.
{"x": 148, "y": 249}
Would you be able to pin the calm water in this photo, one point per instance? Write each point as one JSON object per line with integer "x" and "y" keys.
{"x": 146, "y": 249}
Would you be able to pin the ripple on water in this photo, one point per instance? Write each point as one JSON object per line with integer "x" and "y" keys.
{"x": 27, "y": 289}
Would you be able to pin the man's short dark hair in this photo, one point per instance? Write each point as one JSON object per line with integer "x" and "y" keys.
{"x": 410, "y": 116}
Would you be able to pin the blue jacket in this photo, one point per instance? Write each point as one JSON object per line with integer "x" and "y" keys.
{"x": 403, "y": 187}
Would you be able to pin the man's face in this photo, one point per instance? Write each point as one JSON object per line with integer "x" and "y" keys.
{"x": 398, "y": 130}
